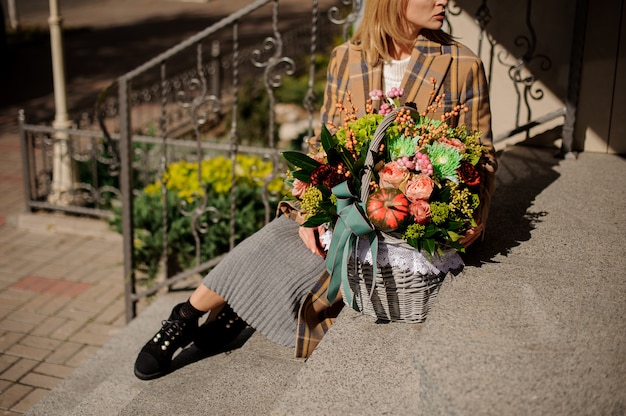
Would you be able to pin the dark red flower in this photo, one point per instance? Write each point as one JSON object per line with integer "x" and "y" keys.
{"x": 333, "y": 179}
{"x": 319, "y": 174}
{"x": 469, "y": 174}
{"x": 328, "y": 175}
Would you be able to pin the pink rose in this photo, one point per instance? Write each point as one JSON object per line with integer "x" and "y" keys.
{"x": 420, "y": 210}
{"x": 393, "y": 175}
{"x": 298, "y": 188}
{"x": 419, "y": 186}
{"x": 456, "y": 143}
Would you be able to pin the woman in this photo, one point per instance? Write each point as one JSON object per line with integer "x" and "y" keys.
{"x": 276, "y": 279}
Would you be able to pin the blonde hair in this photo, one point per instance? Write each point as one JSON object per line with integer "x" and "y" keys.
{"x": 382, "y": 23}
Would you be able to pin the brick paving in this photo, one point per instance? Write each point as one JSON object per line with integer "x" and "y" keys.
{"x": 61, "y": 295}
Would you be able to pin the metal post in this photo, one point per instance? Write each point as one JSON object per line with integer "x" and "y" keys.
{"x": 215, "y": 69}
{"x": 26, "y": 165}
{"x": 576, "y": 63}
{"x": 126, "y": 187}
{"x": 14, "y": 17}
{"x": 62, "y": 169}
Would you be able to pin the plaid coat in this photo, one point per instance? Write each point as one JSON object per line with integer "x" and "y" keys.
{"x": 459, "y": 74}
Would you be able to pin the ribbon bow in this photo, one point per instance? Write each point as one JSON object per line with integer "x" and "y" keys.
{"x": 351, "y": 225}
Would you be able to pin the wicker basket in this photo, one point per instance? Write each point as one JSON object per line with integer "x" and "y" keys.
{"x": 398, "y": 296}
{"x": 390, "y": 294}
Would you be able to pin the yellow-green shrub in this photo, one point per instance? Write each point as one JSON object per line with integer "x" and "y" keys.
{"x": 185, "y": 190}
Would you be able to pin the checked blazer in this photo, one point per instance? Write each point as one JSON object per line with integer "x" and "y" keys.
{"x": 459, "y": 74}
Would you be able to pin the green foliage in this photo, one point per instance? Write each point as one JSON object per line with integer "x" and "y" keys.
{"x": 185, "y": 193}
{"x": 253, "y": 121}
{"x": 295, "y": 88}
{"x": 253, "y": 101}
{"x": 97, "y": 175}
{"x": 304, "y": 165}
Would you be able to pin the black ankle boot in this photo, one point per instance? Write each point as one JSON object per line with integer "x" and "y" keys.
{"x": 216, "y": 335}
{"x": 155, "y": 357}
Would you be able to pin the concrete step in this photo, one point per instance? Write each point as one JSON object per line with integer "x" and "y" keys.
{"x": 534, "y": 325}
{"x": 248, "y": 380}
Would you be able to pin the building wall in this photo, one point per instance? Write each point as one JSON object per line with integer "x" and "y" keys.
{"x": 540, "y": 35}
{"x": 601, "y": 120}
{"x": 535, "y": 35}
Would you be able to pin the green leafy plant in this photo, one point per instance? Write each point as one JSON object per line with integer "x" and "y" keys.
{"x": 185, "y": 192}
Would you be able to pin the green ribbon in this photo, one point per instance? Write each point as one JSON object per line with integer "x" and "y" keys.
{"x": 351, "y": 225}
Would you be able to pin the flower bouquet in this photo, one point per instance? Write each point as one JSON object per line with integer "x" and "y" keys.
{"x": 398, "y": 189}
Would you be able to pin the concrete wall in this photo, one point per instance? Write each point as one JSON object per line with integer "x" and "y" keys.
{"x": 601, "y": 125}
{"x": 541, "y": 34}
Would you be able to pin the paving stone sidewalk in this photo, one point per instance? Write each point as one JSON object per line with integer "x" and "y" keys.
{"x": 61, "y": 294}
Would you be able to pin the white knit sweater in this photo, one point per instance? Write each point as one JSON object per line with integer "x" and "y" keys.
{"x": 393, "y": 72}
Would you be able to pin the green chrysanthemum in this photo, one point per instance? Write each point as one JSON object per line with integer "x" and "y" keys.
{"x": 311, "y": 201}
{"x": 463, "y": 201}
{"x": 402, "y": 146}
{"x": 414, "y": 231}
{"x": 363, "y": 128}
{"x": 439, "y": 212}
{"x": 445, "y": 160}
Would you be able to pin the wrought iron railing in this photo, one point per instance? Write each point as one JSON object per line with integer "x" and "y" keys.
{"x": 204, "y": 107}
{"x": 186, "y": 104}
{"x": 95, "y": 183}
{"x": 516, "y": 63}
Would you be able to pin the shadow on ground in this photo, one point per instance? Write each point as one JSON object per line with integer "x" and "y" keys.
{"x": 193, "y": 353}
{"x": 525, "y": 170}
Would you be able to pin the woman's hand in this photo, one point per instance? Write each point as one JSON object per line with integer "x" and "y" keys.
{"x": 472, "y": 234}
{"x": 311, "y": 238}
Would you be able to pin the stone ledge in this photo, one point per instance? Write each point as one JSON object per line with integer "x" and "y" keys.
{"x": 474, "y": 355}
{"x": 247, "y": 380}
{"x": 534, "y": 326}
{"x": 65, "y": 224}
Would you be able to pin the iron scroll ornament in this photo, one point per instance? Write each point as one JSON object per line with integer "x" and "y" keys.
{"x": 523, "y": 79}
{"x": 275, "y": 67}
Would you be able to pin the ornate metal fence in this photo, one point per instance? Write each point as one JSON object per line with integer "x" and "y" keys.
{"x": 191, "y": 103}
{"x": 195, "y": 104}
{"x": 519, "y": 57}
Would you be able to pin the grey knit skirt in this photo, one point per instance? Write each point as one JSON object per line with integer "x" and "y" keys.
{"x": 266, "y": 277}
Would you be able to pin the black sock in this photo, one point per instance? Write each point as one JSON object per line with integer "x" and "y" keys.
{"x": 187, "y": 311}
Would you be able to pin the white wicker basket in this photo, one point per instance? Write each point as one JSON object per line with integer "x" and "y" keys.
{"x": 398, "y": 295}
